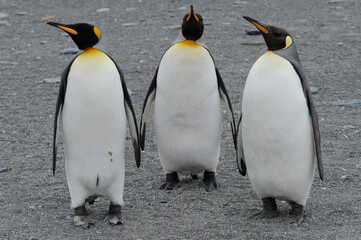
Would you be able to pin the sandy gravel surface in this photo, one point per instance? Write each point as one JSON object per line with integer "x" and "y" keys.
{"x": 36, "y": 205}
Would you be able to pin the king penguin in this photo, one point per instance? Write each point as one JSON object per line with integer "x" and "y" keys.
{"x": 187, "y": 90}
{"x": 278, "y": 132}
{"x": 95, "y": 106}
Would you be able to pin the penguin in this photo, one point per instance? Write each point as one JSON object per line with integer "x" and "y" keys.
{"x": 187, "y": 90}
{"x": 95, "y": 107}
{"x": 278, "y": 134}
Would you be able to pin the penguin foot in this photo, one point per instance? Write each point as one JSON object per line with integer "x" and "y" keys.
{"x": 195, "y": 177}
{"x": 296, "y": 213}
{"x": 81, "y": 219}
{"x": 172, "y": 181}
{"x": 90, "y": 200}
{"x": 269, "y": 209}
{"x": 209, "y": 181}
{"x": 114, "y": 215}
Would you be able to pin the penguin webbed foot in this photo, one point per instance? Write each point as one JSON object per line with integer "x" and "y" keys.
{"x": 209, "y": 181}
{"x": 269, "y": 209}
{"x": 90, "y": 200}
{"x": 172, "y": 181}
{"x": 296, "y": 214}
{"x": 81, "y": 218}
{"x": 194, "y": 176}
{"x": 114, "y": 215}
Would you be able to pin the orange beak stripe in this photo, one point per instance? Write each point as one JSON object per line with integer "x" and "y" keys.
{"x": 189, "y": 16}
{"x": 68, "y": 30}
{"x": 262, "y": 29}
{"x": 194, "y": 14}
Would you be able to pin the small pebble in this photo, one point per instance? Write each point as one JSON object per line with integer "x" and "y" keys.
{"x": 171, "y": 27}
{"x": 103, "y": 10}
{"x": 20, "y": 52}
{"x": 348, "y": 103}
{"x": 313, "y": 90}
{"x": 130, "y": 9}
{"x": 8, "y": 62}
{"x": 3, "y": 15}
{"x": 4, "y": 170}
{"x": 47, "y": 19}
{"x": 20, "y": 13}
{"x": 5, "y": 23}
{"x": 252, "y": 43}
{"x": 345, "y": 177}
{"x": 129, "y": 24}
{"x": 69, "y": 51}
{"x": 52, "y": 80}
{"x": 252, "y": 33}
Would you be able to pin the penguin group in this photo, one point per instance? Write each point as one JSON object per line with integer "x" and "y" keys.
{"x": 277, "y": 140}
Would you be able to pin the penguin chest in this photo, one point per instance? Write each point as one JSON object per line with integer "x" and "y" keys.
{"x": 93, "y": 118}
{"x": 187, "y": 106}
{"x": 277, "y": 130}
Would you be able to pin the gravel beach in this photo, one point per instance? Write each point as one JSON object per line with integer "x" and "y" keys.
{"x": 34, "y": 204}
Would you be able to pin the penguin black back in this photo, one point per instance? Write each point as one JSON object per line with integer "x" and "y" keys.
{"x": 83, "y": 34}
{"x": 192, "y": 26}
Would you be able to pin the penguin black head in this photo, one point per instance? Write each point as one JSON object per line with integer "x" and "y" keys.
{"x": 192, "y": 26}
{"x": 84, "y": 35}
{"x": 276, "y": 38}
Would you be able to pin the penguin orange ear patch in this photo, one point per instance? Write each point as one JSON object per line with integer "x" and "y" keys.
{"x": 68, "y": 30}
{"x": 261, "y": 28}
{"x": 97, "y": 32}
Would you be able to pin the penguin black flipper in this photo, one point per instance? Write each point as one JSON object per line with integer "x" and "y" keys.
{"x": 225, "y": 98}
{"x": 313, "y": 113}
{"x": 291, "y": 55}
{"x": 148, "y": 102}
{"x": 241, "y": 163}
{"x": 132, "y": 121}
{"x": 58, "y": 108}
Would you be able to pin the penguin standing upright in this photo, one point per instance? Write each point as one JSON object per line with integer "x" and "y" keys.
{"x": 187, "y": 90}
{"x": 278, "y": 134}
{"x": 95, "y": 107}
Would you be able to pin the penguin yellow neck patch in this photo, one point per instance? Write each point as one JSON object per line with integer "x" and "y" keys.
{"x": 91, "y": 51}
{"x": 189, "y": 43}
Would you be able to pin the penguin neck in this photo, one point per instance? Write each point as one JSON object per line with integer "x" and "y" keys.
{"x": 90, "y": 50}
{"x": 189, "y": 43}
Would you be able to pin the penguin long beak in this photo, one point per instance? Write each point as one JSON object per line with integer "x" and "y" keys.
{"x": 262, "y": 27}
{"x": 192, "y": 13}
{"x": 63, "y": 27}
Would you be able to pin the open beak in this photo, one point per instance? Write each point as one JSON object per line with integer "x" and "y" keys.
{"x": 262, "y": 27}
{"x": 63, "y": 27}
{"x": 192, "y": 13}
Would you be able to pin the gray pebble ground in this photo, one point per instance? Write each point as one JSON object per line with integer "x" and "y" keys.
{"x": 34, "y": 204}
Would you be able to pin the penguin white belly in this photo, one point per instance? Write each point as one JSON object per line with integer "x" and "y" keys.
{"x": 187, "y": 110}
{"x": 94, "y": 127}
{"x": 277, "y": 131}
